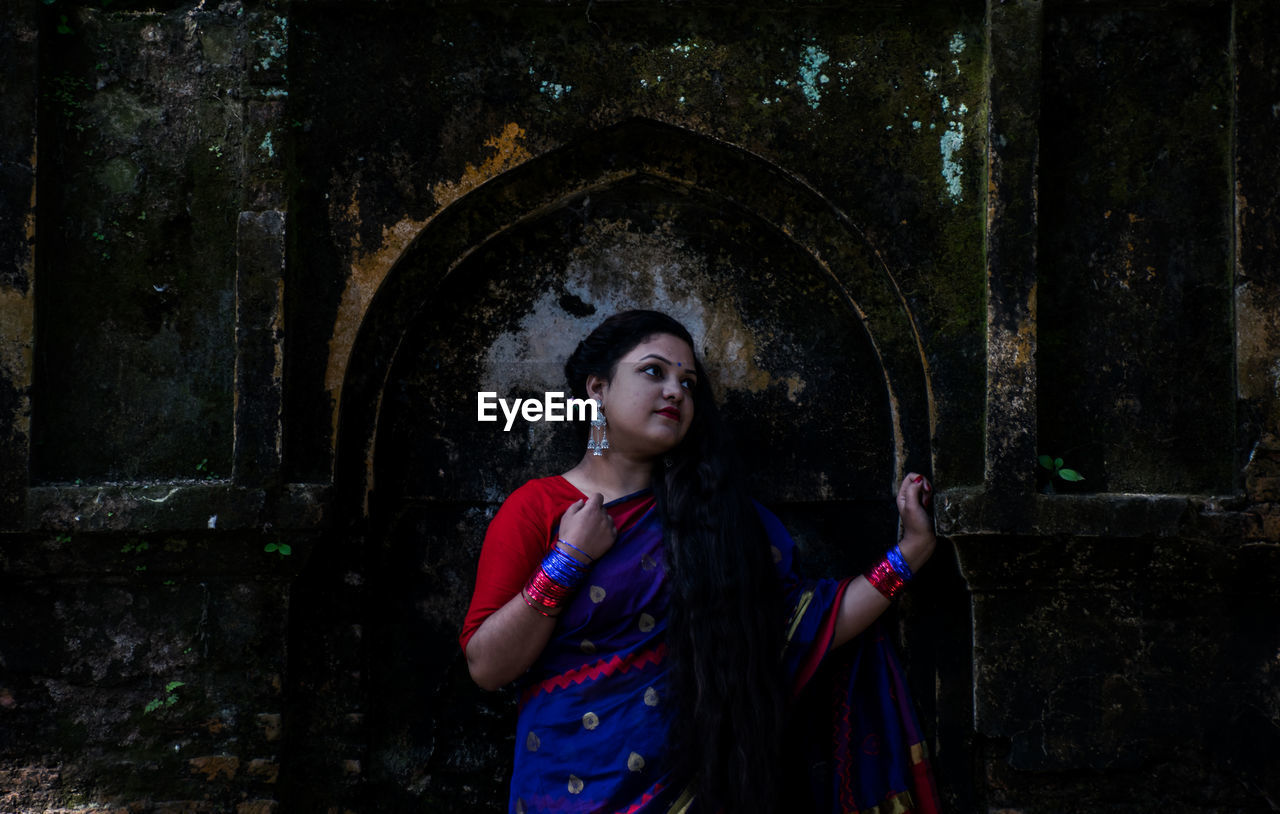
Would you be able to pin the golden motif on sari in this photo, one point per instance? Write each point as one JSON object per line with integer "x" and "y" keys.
{"x": 575, "y": 784}
{"x": 802, "y": 605}
{"x": 646, "y": 623}
{"x": 648, "y": 563}
{"x": 777, "y": 554}
{"x": 635, "y": 763}
{"x": 587, "y": 646}
{"x": 590, "y": 720}
{"x": 898, "y": 804}
{"x": 651, "y": 697}
{"x": 683, "y": 802}
{"x": 597, "y": 594}
{"x": 532, "y": 742}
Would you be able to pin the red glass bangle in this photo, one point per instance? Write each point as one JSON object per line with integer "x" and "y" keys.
{"x": 885, "y": 579}
{"x": 537, "y": 608}
{"x": 544, "y": 594}
{"x": 546, "y": 590}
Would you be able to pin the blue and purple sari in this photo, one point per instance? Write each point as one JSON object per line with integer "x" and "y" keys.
{"x": 592, "y": 730}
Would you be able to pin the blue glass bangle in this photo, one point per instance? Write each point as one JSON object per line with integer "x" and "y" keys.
{"x": 558, "y": 575}
{"x": 575, "y": 548}
{"x": 569, "y": 562}
{"x": 899, "y": 563}
{"x": 557, "y": 570}
{"x": 563, "y": 569}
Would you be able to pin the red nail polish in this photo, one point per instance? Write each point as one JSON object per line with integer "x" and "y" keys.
{"x": 918, "y": 478}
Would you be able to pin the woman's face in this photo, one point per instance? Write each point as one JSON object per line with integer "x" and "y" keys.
{"x": 649, "y": 400}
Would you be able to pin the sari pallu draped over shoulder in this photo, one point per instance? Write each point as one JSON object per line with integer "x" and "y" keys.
{"x": 592, "y": 729}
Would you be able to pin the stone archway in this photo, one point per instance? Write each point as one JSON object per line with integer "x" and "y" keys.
{"x": 813, "y": 351}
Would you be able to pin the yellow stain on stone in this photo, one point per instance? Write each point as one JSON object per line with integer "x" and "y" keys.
{"x": 17, "y": 319}
{"x": 366, "y": 273}
{"x": 369, "y": 269}
{"x": 1024, "y": 343}
{"x": 266, "y": 770}
{"x": 1257, "y": 334}
{"x": 17, "y": 329}
{"x": 795, "y": 386}
{"x": 17, "y": 335}
{"x": 508, "y": 152}
{"x": 215, "y": 766}
{"x": 738, "y": 356}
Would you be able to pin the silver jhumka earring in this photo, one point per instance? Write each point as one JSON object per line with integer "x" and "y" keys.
{"x": 599, "y": 440}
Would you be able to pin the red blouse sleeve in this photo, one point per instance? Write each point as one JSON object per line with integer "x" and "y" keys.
{"x": 519, "y": 536}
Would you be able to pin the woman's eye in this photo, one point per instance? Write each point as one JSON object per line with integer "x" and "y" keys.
{"x": 688, "y": 384}
{"x": 652, "y": 370}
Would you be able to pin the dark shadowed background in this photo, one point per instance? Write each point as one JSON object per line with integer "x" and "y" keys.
{"x": 259, "y": 258}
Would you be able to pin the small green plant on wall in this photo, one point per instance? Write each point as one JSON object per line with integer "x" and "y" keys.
{"x": 167, "y": 700}
{"x": 205, "y": 471}
{"x": 1056, "y": 469}
{"x": 283, "y": 549}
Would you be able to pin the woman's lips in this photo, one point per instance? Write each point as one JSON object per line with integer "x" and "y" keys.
{"x": 670, "y": 412}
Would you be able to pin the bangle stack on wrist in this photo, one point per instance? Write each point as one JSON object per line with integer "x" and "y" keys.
{"x": 891, "y": 574}
{"x": 553, "y": 584}
{"x": 899, "y": 563}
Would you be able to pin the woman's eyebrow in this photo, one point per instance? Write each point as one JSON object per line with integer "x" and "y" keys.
{"x": 664, "y": 359}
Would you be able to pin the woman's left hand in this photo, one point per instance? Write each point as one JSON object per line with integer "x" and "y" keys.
{"x": 915, "y": 497}
{"x": 863, "y": 603}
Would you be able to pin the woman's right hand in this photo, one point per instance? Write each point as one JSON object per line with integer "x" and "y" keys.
{"x": 512, "y": 638}
{"x": 588, "y": 526}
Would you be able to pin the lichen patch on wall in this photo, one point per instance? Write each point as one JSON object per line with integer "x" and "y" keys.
{"x": 555, "y": 90}
{"x": 950, "y": 144}
{"x": 956, "y": 47}
{"x": 811, "y": 76}
{"x": 274, "y": 43}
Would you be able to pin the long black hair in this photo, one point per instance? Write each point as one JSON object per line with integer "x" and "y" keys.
{"x": 725, "y": 622}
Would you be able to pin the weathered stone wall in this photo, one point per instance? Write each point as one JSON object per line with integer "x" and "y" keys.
{"x": 259, "y": 256}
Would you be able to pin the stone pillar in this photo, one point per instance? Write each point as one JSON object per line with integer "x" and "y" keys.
{"x": 1014, "y": 36}
{"x": 18, "y": 42}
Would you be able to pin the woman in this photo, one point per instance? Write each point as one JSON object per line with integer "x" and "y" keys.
{"x": 647, "y": 605}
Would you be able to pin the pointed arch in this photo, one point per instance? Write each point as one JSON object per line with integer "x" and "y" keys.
{"x": 679, "y": 159}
